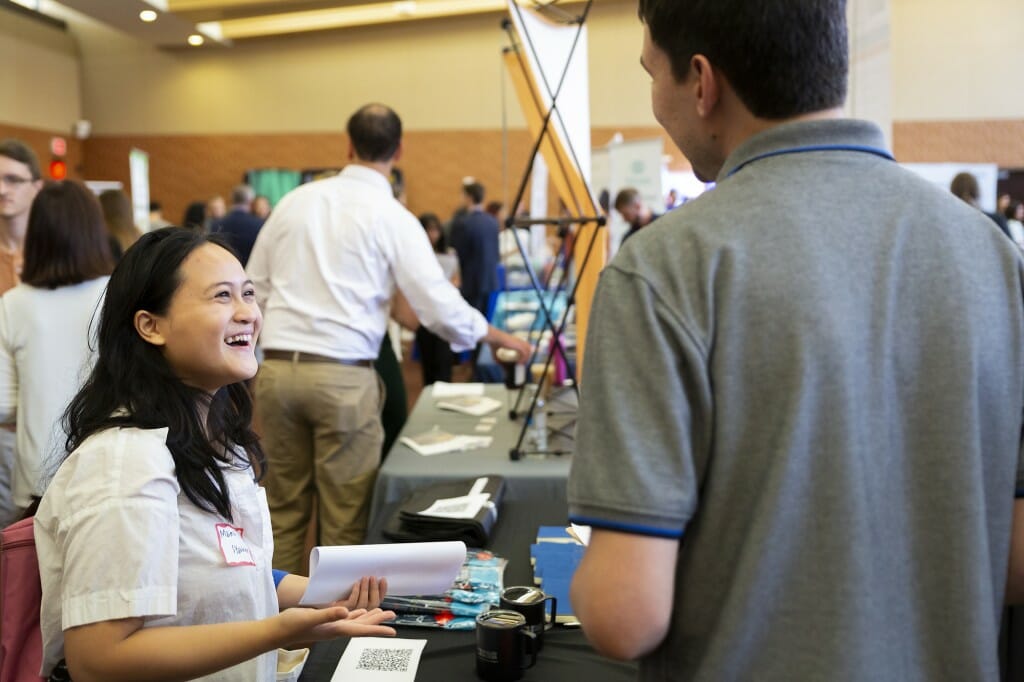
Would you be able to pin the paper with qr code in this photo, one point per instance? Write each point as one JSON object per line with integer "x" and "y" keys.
{"x": 379, "y": 659}
{"x": 411, "y": 568}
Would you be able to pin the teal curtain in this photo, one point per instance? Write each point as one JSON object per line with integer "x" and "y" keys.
{"x": 274, "y": 183}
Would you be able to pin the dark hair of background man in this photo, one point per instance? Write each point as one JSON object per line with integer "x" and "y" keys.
{"x": 22, "y": 153}
{"x": 625, "y": 197}
{"x": 783, "y": 58}
{"x": 375, "y": 131}
{"x": 475, "y": 192}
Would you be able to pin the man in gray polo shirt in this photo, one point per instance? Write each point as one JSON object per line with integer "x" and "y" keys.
{"x": 809, "y": 471}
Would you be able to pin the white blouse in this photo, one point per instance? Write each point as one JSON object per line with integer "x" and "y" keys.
{"x": 117, "y": 538}
{"x": 45, "y": 356}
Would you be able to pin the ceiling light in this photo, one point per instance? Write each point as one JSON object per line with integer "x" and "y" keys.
{"x": 195, "y": 40}
{"x": 148, "y": 15}
{"x": 354, "y": 15}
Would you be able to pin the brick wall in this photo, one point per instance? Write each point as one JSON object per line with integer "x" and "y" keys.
{"x": 191, "y": 168}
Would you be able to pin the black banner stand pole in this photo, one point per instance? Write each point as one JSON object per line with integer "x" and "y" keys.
{"x": 539, "y": 288}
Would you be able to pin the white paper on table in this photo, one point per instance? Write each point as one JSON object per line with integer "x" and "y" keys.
{"x": 464, "y": 507}
{"x": 478, "y": 486}
{"x": 437, "y": 442}
{"x": 411, "y": 568}
{"x": 444, "y": 389}
{"x": 581, "y": 533}
{"x": 473, "y": 405}
{"x": 379, "y": 659}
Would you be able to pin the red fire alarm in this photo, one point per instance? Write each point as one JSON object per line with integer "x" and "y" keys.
{"x": 58, "y": 169}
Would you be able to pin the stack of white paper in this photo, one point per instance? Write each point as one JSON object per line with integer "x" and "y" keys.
{"x": 443, "y": 389}
{"x": 411, "y": 568}
{"x": 436, "y": 442}
{"x": 475, "y": 405}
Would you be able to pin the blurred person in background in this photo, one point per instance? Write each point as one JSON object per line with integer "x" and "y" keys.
{"x": 117, "y": 214}
{"x": 965, "y": 187}
{"x": 215, "y": 210}
{"x": 20, "y": 181}
{"x": 240, "y": 225}
{"x": 260, "y": 206}
{"x": 195, "y": 216}
{"x": 634, "y": 211}
{"x": 436, "y": 357}
{"x": 44, "y": 328}
{"x": 156, "y": 216}
{"x": 1014, "y": 214}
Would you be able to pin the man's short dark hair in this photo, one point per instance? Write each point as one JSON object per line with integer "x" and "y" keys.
{"x": 375, "y": 132}
{"x": 626, "y": 197}
{"x": 783, "y": 58}
{"x": 475, "y": 191}
{"x": 965, "y": 187}
{"x": 22, "y": 153}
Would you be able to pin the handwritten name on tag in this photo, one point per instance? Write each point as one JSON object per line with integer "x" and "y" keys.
{"x": 233, "y": 547}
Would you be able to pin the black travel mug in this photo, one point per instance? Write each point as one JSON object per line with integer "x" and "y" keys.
{"x": 532, "y": 603}
{"x": 501, "y": 646}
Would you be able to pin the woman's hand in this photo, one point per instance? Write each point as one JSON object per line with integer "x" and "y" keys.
{"x": 307, "y": 625}
{"x": 367, "y": 593}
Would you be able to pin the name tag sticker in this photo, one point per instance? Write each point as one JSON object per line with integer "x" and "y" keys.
{"x": 233, "y": 547}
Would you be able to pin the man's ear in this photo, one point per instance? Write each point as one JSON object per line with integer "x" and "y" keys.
{"x": 708, "y": 89}
{"x": 147, "y": 326}
{"x": 398, "y": 153}
{"x": 351, "y": 152}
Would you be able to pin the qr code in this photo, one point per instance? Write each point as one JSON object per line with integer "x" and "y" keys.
{"x": 385, "y": 660}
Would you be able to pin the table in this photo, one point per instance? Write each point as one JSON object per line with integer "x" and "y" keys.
{"x": 530, "y": 478}
{"x": 450, "y": 656}
{"x": 535, "y": 496}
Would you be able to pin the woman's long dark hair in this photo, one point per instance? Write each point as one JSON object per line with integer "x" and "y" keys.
{"x": 66, "y": 240}
{"x": 132, "y": 385}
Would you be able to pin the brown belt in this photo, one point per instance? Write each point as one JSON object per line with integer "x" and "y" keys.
{"x": 299, "y": 356}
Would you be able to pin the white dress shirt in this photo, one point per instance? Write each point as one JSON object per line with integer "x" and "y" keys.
{"x": 117, "y": 538}
{"x": 45, "y": 356}
{"x": 328, "y": 260}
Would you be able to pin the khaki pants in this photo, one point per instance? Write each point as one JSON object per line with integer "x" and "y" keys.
{"x": 322, "y": 434}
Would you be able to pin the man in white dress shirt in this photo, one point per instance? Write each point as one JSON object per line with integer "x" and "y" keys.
{"x": 326, "y": 266}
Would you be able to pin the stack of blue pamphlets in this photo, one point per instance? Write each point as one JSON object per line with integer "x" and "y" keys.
{"x": 555, "y": 557}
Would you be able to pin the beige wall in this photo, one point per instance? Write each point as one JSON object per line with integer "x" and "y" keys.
{"x": 955, "y": 60}
{"x": 39, "y": 75}
{"x": 439, "y": 75}
{"x": 950, "y": 61}
{"x": 953, "y": 70}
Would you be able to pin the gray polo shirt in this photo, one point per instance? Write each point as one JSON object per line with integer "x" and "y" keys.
{"x": 814, "y": 376}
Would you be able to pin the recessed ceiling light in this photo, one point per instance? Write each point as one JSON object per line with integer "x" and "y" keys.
{"x": 147, "y": 15}
{"x": 195, "y": 40}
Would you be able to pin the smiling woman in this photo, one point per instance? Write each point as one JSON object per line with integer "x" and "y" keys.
{"x": 216, "y": 305}
{"x": 163, "y": 471}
